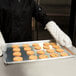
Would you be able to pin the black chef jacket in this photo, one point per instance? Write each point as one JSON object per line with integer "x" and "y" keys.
{"x": 16, "y": 17}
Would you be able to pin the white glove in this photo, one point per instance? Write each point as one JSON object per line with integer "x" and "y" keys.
{"x": 58, "y": 34}
{"x": 2, "y": 43}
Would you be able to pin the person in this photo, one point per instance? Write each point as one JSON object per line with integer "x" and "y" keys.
{"x": 15, "y": 22}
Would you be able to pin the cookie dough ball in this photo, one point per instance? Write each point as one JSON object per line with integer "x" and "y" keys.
{"x": 56, "y": 46}
{"x": 16, "y": 49}
{"x": 32, "y": 57}
{"x": 50, "y": 50}
{"x": 46, "y": 44}
{"x": 37, "y": 47}
{"x": 35, "y": 44}
{"x": 26, "y": 45}
{"x": 17, "y": 59}
{"x": 17, "y": 54}
{"x": 27, "y": 49}
{"x": 64, "y": 54}
{"x": 46, "y": 47}
{"x": 30, "y": 52}
{"x": 59, "y": 50}
{"x": 15, "y": 46}
{"x": 43, "y": 56}
{"x": 40, "y": 52}
{"x": 54, "y": 55}
{"x": 53, "y": 44}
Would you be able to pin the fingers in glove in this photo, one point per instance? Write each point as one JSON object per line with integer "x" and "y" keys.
{"x": 62, "y": 42}
{"x": 68, "y": 42}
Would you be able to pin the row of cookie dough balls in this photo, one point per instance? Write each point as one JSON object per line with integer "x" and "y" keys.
{"x": 16, "y": 53}
{"x": 33, "y": 57}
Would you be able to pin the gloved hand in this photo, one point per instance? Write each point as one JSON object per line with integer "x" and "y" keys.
{"x": 2, "y": 43}
{"x": 58, "y": 34}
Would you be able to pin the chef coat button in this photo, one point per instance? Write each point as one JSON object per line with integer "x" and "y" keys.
{"x": 40, "y": 9}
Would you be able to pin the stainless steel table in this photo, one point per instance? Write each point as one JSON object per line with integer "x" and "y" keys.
{"x": 58, "y": 67}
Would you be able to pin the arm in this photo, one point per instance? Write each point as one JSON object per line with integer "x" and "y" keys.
{"x": 58, "y": 34}
{"x": 51, "y": 26}
{"x": 2, "y": 41}
{"x": 39, "y": 14}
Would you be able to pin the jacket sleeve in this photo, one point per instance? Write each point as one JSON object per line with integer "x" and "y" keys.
{"x": 39, "y": 14}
